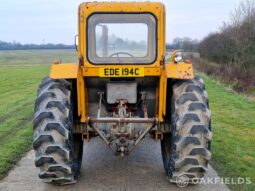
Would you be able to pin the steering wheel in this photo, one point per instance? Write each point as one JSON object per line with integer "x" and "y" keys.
{"x": 118, "y": 53}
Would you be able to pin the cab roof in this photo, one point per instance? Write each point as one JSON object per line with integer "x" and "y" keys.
{"x": 115, "y": 6}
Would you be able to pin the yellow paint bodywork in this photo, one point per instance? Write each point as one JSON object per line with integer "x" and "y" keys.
{"x": 162, "y": 96}
{"x": 90, "y": 70}
{"x": 85, "y": 69}
{"x": 86, "y": 9}
{"x": 64, "y": 71}
{"x": 179, "y": 70}
{"x": 82, "y": 98}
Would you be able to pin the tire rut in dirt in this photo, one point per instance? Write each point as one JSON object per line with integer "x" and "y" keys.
{"x": 15, "y": 128}
{"x": 58, "y": 154}
{"x": 8, "y": 115}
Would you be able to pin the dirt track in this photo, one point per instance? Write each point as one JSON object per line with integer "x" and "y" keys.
{"x": 142, "y": 170}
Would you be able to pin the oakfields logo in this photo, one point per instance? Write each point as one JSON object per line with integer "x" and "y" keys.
{"x": 182, "y": 181}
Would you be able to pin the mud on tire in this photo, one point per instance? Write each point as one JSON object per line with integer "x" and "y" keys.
{"x": 58, "y": 152}
{"x": 186, "y": 150}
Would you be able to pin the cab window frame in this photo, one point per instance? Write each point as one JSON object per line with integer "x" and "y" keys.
{"x": 155, "y": 37}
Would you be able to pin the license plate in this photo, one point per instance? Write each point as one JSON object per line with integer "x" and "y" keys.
{"x": 121, "y": 72}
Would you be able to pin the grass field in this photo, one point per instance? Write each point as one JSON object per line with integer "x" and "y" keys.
{"x": 233, "y": 124}
{"x": 18, "y": 86}
{"x": 17, "y": 92}
{"x": 36, "y": 57}
{"x": 233, "y": 146}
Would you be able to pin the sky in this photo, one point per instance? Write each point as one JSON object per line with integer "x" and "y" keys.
{"x": 55, "y": 21}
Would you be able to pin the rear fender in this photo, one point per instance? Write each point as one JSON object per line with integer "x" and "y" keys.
{"x": 64, "y": 71}
{"x": 73, "y": 71}
{"x": 179, "y": 71}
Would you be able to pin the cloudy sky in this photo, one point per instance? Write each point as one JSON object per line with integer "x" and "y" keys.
{"x": 55, "y": 21}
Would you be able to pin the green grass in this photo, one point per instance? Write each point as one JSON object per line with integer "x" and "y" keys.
{"x": 36, "y": 57}
{"x": 17, "y": 91}
{"x": 18, "y": 86}
{"x": 233, "y": 124}
{"x": 233, "y": 116}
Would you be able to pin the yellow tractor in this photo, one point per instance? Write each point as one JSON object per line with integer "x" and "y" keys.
{"x": 123, "y": 89}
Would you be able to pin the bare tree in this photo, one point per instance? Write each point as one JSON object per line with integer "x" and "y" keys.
{"x": 235, "y": 43}
{"x": 233, "y": 47}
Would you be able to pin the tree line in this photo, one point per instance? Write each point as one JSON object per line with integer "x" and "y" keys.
{"x": 230, "y": 52}
{"x": 234, "y": 44}
{"x": 19, "y": 46}
{"x": 185, "y": 44}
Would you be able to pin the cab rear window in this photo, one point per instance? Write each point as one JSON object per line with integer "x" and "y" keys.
{"x": 121, "y": 38}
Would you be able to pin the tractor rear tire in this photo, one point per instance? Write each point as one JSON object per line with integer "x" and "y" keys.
{"x": 186, "y": 150}
{"x": 58, "y": 153}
